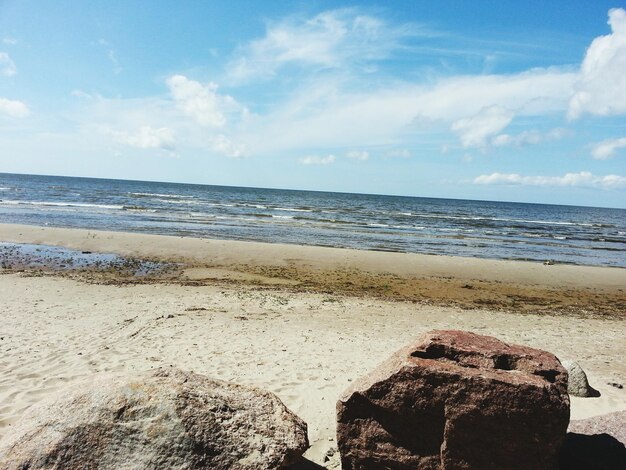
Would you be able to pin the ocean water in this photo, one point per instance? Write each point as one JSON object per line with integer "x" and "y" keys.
{"x": 484, "y": 229}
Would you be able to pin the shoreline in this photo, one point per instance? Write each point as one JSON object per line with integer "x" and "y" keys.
{"x": 78, "y": 238}
{"x": 469, "y": 283}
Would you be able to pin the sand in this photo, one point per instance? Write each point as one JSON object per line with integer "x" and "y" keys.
{"x": 283, "y": 318}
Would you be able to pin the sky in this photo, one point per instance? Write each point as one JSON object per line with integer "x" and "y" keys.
{"x": 493, "y": 100}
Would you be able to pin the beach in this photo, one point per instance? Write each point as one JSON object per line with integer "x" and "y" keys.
{"x": 300, "y": 321}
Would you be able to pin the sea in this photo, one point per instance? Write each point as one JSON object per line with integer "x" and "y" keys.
{"x": 482, "y": 229}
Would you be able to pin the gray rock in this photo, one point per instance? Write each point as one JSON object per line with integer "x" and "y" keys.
{"x": 577, "y": 383}
{"x": 164, "y": 419}
{"x": 613, "y": 424}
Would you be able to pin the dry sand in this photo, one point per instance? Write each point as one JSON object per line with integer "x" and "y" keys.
{"x": 300, "y": 321}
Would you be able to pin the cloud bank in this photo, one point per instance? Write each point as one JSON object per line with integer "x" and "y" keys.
{"x": 582, "y": 179}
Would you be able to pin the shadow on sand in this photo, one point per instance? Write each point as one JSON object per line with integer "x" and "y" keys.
{"x": 592, "y": 452}
{"x": 306, "y": 464}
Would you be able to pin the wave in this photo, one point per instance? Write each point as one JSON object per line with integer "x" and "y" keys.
{"x": 151, "y": 195}
{"x": 291, "y": 209}
{"x": 502, "y": 219}
{"x": 139, "y": 209}
{"x": 216, "y": 204}
{"x": 59, "y": 204}
{"x": 331, "y": 221}
{"x": 178, "y": 201}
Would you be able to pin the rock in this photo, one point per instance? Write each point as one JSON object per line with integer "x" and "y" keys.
{"x": 577, "y": 384}
{"x": 454, "y": 400}
{"x": 164, "y": 419}
{"x": 331, "y": 459}
{"x": 596, "y": 443}
{"x": 613, "y": 424}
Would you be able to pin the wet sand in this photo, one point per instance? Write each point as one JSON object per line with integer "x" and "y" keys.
{"x": 469, "y": 283}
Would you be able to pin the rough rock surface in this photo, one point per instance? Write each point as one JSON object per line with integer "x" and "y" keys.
{"x": 613, "y": 424}
{"x": 455, "y": 400}
{"x": 164, "y": 419}
{"x": 577, "y": 383}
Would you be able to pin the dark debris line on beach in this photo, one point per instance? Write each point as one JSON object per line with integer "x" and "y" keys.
{"x": 109, "y": 268}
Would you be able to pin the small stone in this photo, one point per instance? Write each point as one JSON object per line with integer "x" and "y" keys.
{"x": 577, "y": 383}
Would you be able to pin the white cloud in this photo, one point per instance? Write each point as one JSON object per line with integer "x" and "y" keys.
{"x": 9, "y": 41}
{"x": 602, "y": 81}
{"x": 153, "y": 122}
{"x": 582, "y": 179}
{"x": 315, "y": 160}
{"x": 13, "y": 108}
{"x": 329, "y": 40}
{"x": 398, "y": 153}
{"x": 531, "y": 137}
{"x": 223, "y": 145}
{"x": 475, "y": 130}
{"x": 147, "y": 137}
{"x": 202, "y": 102}
{"x": 340, "y": 110}
{"x": 358, "y": 155}
{"x": 606, "y": 149}
{"x": 532, "y": 93}
{"x": 7, "y": 67}
{"x": 327, "y": 113}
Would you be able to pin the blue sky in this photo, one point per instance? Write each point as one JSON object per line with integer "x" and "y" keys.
{"x": 498, "y": 100}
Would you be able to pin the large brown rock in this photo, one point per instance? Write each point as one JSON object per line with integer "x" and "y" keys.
{"x": 456, "y": 400}
{"x": 168, "y": 419}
